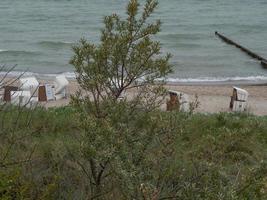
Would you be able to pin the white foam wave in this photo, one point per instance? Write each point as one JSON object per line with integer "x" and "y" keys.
{"x": 218, "y": 79}
{"x": 16, "y": 73}
{"x": 71, "y": 75}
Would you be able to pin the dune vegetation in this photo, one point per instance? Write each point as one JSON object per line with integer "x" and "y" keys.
{"x": 46, "y": 154}
{"x": 107, "y": 146}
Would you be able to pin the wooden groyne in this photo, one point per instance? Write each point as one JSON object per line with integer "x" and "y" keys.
{"x": 247, "y": 51}
{"x": 264, "y": 64}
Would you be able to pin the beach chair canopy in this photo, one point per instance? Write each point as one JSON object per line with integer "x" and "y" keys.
{"x": 241, "y": 94}
{"x": 172, "y": 92}
{"x": 182, "y": 96}
{"x": 28, "y": 83}
{"x": 183, "y": 99}
{"x": 61, "y": 83}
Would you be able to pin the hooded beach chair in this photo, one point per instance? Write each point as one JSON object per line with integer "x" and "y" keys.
{"x": 46, "y": 92}
{"x": 25, "y": 84}
{"x": 25, "y": 94}
{"x": 23, "y": 98}
{"x": 61, "y": 84}
{"x": 7, "y": 92}
{"x": 239, "y": 99}
{"x": 29, "y": 84}
{"x": 178, "y": 101}
{"x": 55, "y": 91}
{"x": 20, "y": 97}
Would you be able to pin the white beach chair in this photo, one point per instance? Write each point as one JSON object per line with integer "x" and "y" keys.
{"x": 182, "y": 98}
{"x": 239, "y": 99}
{"x": 23, "y": 98}
{"x": 46, "y": 92}
{"x": 29, "y": 84}
{"x": 20, "y": 97}
{"x": 61, "y": 84}
{"x": 1, "y": 95}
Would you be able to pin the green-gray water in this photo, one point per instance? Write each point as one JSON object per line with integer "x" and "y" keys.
{"x": 38, "y": 35}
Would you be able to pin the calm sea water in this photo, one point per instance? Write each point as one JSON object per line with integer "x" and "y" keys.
{"x": 38, "y": 34}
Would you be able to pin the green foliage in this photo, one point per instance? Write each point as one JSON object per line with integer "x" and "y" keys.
{"x": 116, "y": 133}
{"x": 126, "y": 58}
{"x": 175, "y": 156}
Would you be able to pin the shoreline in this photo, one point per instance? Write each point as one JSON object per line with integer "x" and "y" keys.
{"x": 232, "y": 83}
{"x": 213, "y": 97}
{"x": 205, "y": 81}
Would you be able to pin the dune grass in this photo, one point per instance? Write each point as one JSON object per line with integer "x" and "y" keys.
{"x": 218, "y": 156}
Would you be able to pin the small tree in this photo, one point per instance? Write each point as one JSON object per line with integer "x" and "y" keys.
{"x": 126, "y": 58}
{"x": 116, "y": 133}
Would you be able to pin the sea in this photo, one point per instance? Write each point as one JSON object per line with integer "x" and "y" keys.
{"x": 37, "y": 35}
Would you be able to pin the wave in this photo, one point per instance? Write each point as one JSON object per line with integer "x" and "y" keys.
{"x": 199, "y": 80}
{"x": 18, "y": 53}
{"x": 70, "y": 75}
{"x": 182, "y": 36}
{"x": 16, "y": 73}
{"x": 182, "y": 45}
{"x": 247, "y": 79}
{"x": 55, "y": 44}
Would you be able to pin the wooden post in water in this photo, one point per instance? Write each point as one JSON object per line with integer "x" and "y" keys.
{"x": 247, "y": 51}
{"x": 264, "y": 64}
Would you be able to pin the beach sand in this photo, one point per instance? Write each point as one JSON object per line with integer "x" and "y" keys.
{"x": 212, "y": 98}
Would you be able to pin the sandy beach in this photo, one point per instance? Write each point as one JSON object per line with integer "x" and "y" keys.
{"x": 212, "y": 98}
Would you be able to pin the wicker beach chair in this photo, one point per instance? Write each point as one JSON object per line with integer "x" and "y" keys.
{"x": 178, "y": 101}
{"x": 29, "y": 84}
{"x": 239, "y": 99}
{"x": 61, "y": 84}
